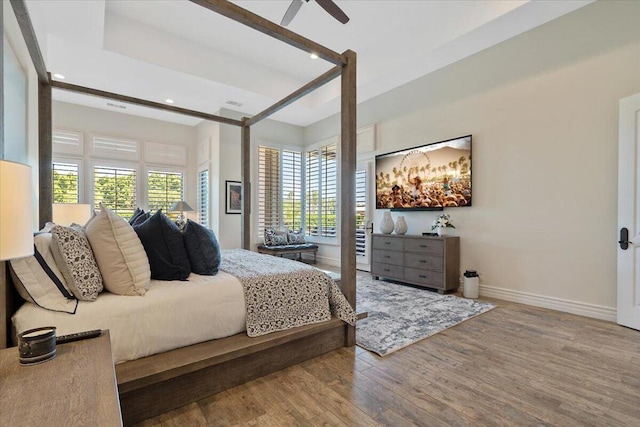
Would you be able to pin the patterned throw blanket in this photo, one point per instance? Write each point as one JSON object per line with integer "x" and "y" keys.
{"x": 282, "y": 294}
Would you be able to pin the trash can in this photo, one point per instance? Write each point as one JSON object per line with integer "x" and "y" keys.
{"x": 471, "y": 284}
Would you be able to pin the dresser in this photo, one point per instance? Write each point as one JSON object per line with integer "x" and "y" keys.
{"x": 428, "y": 261}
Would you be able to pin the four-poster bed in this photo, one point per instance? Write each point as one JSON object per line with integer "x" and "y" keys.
{"x": 165, "y": 381}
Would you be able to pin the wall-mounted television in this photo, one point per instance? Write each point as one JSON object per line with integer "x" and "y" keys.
{"x": 429, "y": 177}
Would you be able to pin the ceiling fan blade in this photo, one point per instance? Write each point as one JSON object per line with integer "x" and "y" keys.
{"x": 292, "y": 11}
{"x": 333, "y": 10}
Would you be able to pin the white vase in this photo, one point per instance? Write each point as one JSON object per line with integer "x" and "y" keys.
{"x": 386, "y": 225}
{"x": 401, "y": 225}
{"x": 443, "y": 231}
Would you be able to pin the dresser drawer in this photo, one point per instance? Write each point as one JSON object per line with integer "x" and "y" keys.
{"x": 424, "y": 261}
{"x": 387, "y": 270}
{"x": 427, "y": 246}
{"x": 428, "y": 278}
{"x": 387, "y": 257}
{"x": 387, "y": 243}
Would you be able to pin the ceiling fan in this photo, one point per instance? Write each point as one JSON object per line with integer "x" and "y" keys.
{"x": 327, "y": 5}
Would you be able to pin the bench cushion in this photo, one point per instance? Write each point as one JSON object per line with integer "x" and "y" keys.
{"x": 289, "y": 248}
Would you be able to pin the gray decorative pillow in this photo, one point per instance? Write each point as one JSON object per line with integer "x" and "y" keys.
{"x": 74, "y": 258}
{"x": 296, "y": 237}
{"x": 274, "y": 238}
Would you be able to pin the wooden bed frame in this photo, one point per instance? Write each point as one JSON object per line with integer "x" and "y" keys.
{"x": 162, "y": 382}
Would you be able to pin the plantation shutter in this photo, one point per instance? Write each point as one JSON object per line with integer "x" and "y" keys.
{"x": 115, "y": 188}
{"x": 312, "y": 167}
{"x": 115, "y": 148}
{"x": 268, "y": 188}
{"x": 203, "y": 198}
{"x": 361, "y": 206}
{"x": 66, "y": 142}
{"x": 164, "y": 189}
{"x": 291, "y": 186}
{"x": 65, "y": 183}
{"x": 328, "y": 190}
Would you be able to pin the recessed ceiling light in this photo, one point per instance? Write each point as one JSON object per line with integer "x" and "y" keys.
{"x": 168, "y": 101}
{"x": 314, "y": 56}
{"x": 59, "y": 76}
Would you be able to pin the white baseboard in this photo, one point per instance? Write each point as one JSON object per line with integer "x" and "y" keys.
{"x": 567, "y": 306}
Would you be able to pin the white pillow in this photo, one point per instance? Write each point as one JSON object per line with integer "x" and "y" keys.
{"x": 119, "y": 252}
{"x": 38, "y": 279}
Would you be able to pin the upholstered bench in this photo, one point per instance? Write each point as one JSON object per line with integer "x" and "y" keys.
{"x": 290, "y": 249}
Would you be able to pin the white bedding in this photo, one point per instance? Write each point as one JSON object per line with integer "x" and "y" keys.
{"x": 172, "y": 314}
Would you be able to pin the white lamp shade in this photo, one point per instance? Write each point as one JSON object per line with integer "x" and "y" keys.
{"x": 69, "y": 213}
{"x": 16, "y": 211}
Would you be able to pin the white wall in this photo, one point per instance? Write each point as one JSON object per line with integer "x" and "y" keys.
{"x": 103, "y": 122}
{"x": 543, "y": 111}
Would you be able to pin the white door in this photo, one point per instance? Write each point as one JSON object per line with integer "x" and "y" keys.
{"x": 629, "y": 213}
{"x": 363, "y": 216}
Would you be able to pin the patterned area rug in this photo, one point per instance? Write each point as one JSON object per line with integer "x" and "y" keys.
{"x": 401, "y": 315}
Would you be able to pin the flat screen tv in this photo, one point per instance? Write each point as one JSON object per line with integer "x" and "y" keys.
{"x": 430, "y": 177}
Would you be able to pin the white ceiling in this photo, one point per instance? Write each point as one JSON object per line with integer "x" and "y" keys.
{"x": 156, "y": 50}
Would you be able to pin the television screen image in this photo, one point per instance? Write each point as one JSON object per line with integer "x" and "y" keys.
{"x": 429, "y": 177}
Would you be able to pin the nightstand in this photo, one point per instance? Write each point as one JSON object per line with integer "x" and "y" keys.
{"x": 77, "y": 388}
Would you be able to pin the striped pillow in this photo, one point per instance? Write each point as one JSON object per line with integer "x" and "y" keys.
{"x": 38, "y": 279}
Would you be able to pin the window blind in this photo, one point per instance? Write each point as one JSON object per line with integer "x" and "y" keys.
{"x": 163, "y": 190}
{"x": 328, "y": 190}
{"x": 268, "y": 188}
{"x": 291, "y": 189}
{"x": 116, "y": 188}
{"x": 66, "y": 183}
{"x": 203, "y": 198}
{"x": 312, "y": 168}
{"x": 66, "y": 142}
{"x": 361, "y": 206}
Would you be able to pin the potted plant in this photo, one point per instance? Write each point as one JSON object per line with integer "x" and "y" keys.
{"x": 441, "y": 224}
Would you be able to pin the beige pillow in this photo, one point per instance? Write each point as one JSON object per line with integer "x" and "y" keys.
{"x": 120, "y": 255}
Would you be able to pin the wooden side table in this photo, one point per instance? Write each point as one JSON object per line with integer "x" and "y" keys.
{"x": 77, "y": 388}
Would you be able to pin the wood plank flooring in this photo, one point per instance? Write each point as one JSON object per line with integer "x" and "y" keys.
{"x": 513, "y": 366}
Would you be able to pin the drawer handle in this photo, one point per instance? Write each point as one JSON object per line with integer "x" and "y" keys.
{"x": 423, "y": 246}
{"x": 422, "y": 276}
{"x": 422, "y": 261}
{"x": 387, "y": 243}
{"x": 386, "y": 269}
{"x": 387, "y": 256}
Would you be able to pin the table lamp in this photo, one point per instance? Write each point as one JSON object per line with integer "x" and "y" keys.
{"x": 69, "y": 213}
{"x": 183, "y": 207}
{"x": 16, "y": 211}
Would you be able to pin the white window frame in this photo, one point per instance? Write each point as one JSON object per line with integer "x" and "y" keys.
{"x": 82, "y": 196}
{"x": 89, "y": 176}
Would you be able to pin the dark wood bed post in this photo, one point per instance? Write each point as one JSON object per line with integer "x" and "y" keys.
{"x": 348, "y": 190}
{"x": 45, "y": 152}
{"x": 245, "y": 159}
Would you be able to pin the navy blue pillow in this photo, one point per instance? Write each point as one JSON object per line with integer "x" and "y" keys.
{"x": 162, "y": 240}
{"x": 135, "y": 215}
{"x": 202, "y": 248}
{"x": 139, "y": 219}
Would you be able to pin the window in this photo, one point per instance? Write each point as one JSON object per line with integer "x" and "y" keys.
{"x": 203, "y": 198}
{"x": 115, "y": 187}
{"x": 279, "y": 188}
{"x": 163, "y": 190}
{"x": 322, "y": 188}
{"x": 361, "y": 209}
{"x": 65, "y": 182}
{"x": 291, "y": 189}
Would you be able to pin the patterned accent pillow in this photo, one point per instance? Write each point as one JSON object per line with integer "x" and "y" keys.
{"x": 74, "y": 258}
{"x": 296, "y": 237}
{"x": 275, "y": 238}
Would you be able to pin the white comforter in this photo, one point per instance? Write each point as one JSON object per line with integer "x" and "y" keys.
{"x": 169, "y": 316}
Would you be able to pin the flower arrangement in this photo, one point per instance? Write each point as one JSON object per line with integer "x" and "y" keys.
{"x": 442, "y": 221}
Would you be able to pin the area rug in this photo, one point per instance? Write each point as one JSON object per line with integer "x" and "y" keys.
{"x": 402, "y": 315}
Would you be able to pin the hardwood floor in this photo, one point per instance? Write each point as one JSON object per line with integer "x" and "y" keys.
{"x": 515, "y": 365}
